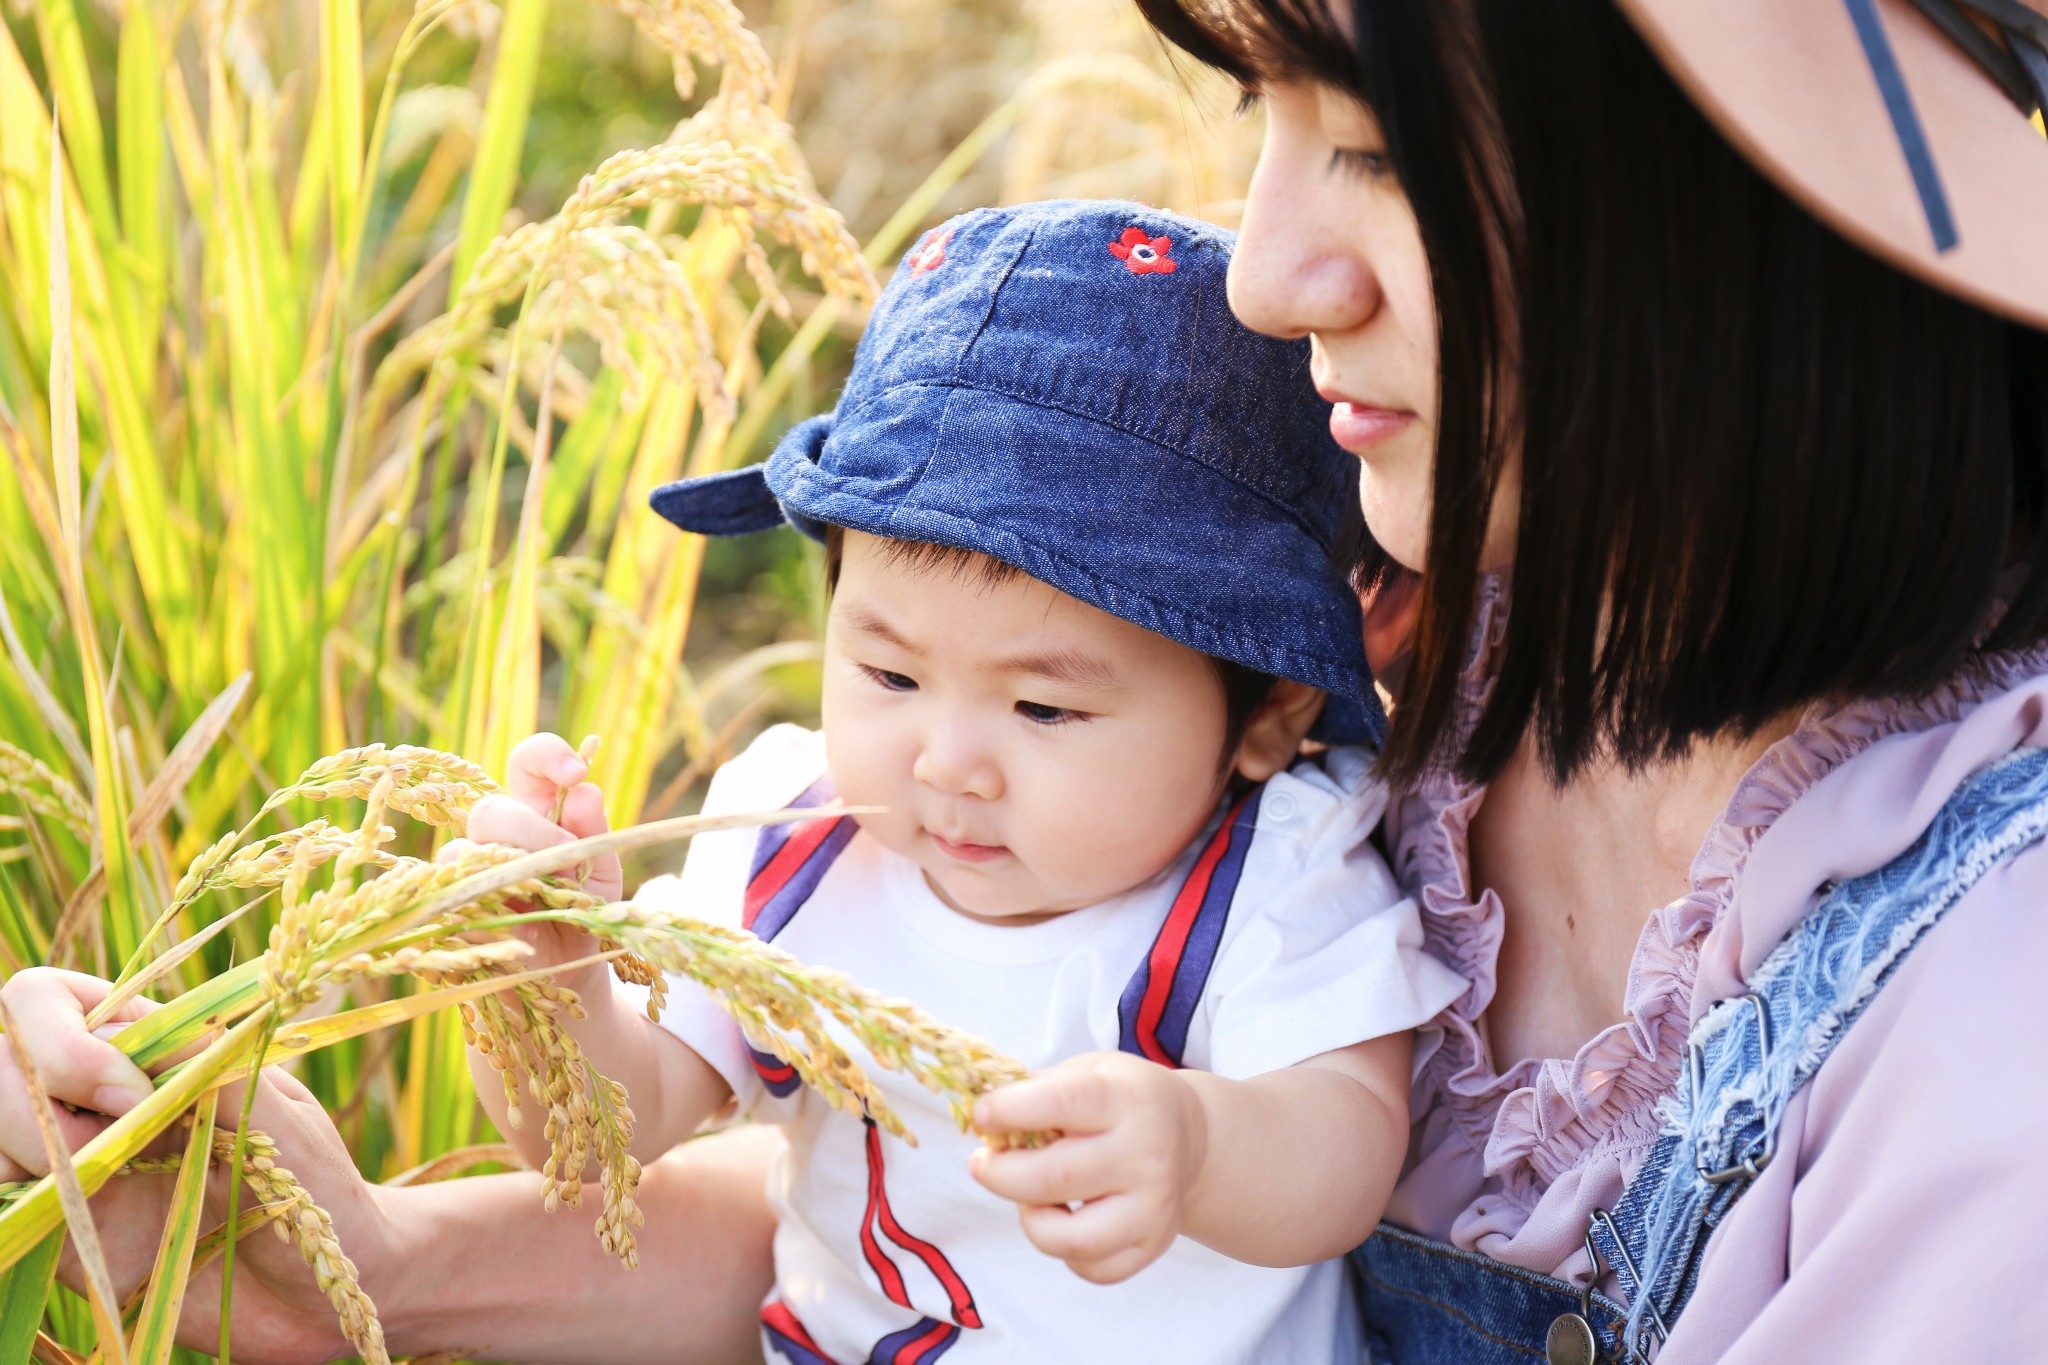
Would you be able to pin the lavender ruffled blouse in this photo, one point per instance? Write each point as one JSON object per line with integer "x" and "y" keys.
{"x": 1917, "y": 1140}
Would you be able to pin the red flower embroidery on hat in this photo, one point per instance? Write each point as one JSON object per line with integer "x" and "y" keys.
{"x": 930, "y": 253}
{"x": 1143, "y": 254}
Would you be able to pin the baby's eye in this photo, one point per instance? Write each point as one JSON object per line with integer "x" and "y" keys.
{"x": 1040, "y": 714}
{"x": 894, "y": 682}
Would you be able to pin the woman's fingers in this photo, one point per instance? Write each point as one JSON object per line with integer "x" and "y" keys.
{"x": 539, "y": 767}
{"x": 76, "y": 1068}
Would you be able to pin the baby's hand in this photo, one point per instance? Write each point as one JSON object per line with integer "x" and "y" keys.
{"x": 547, "y": 802}
{"x": 1108, "y": 1197}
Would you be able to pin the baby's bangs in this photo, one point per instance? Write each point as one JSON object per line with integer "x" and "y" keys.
{"x": 1257, "y": 42}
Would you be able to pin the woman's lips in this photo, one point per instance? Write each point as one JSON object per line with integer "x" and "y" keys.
{"x": 1358, "y": 426}
{"x": 968, "y": 853}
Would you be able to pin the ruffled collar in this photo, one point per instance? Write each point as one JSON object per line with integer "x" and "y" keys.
{"x": 1544, "y": 1117}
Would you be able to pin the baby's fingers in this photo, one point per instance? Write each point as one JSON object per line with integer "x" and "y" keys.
{"x": 539, "y": 768}
{"x": 1073, "y": 1169}
{"x": 505, "y": 820}
{"x": 511, "y": 821}
{"x": 1104, "y": 1242}
{"x": 1072, "y": 1097}
{"x": 583, "y": 815}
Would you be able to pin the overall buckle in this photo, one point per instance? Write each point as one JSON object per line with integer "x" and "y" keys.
{"x": 1696, "y": 1065}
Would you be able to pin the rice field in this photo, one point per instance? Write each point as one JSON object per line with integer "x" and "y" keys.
{"x": 340, "y": 345}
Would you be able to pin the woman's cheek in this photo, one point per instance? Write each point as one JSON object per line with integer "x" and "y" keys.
{"x": 1394, "y": 496}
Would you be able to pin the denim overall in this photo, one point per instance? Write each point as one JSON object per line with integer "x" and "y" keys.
{"x": 1427, "y": 1303}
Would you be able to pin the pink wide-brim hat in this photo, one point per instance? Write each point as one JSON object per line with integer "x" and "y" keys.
{"x": 1912, "y": 127}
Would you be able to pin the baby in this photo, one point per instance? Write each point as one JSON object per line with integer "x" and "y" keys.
{"x": 1081, "y": 530}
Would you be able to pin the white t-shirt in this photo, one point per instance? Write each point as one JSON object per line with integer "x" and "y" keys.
{"x": 1296, "y": 941}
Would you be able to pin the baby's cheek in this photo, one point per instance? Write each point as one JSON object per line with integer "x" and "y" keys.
{"x": 858, "y": 761}
{"x": 1103, "y": 834}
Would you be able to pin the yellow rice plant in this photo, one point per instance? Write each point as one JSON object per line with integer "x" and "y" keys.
{"x": 318, "y": 426}
{"x": 447, "y": 924}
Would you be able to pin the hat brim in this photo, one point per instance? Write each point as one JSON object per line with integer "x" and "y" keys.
{"x": 1793, "y": 85}
{"x": 1020, "y": 472}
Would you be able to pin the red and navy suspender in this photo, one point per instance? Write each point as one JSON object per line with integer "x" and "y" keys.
{"x": 1159, "y": 1002}
{"x": 1153, "y": 1018}
{"x": 789, "y": 862}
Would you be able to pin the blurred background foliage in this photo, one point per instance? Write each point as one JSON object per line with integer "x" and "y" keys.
{"x": 386, "y": 316}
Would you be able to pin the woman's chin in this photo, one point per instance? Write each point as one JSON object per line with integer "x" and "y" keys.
{"x": 1397, "y": 515}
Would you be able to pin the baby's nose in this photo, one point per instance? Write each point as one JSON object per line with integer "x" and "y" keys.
{"x": 955, "y": 763}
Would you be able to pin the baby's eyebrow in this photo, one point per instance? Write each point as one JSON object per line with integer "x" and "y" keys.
{"x": 869, "y": 623}
{"x": 1065, "y": 666}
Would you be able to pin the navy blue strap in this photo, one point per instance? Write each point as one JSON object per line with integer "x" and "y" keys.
{"x": 1898, "y": 102}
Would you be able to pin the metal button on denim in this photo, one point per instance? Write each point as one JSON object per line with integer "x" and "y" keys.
{"x": 1570, "y": 1341}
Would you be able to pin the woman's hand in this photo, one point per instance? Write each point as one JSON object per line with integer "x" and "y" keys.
{"x": 1110, "y": 1195}
{"x": 546, "y": 803}
{"x": 280, "y": 1313}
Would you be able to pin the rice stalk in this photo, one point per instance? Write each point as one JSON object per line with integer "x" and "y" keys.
{"x": 30, "y": 781}
{"x": 449, "y": 924}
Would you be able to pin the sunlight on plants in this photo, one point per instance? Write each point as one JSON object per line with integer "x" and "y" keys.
{"x": 342, "y": 345}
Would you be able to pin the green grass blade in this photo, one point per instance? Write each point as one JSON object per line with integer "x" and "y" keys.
{"x": 23, "y": 1291}
{"x": 341, "y": 90}
{"x": 495, "y": 172}
{"x": 71, "y": 75}
{"x": 156, "y": 1328}
{"x": 140, "y": 144}
{"x": 125, "y": 918}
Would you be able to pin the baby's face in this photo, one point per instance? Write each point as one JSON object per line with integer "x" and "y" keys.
{"x": 1035, "y": 754}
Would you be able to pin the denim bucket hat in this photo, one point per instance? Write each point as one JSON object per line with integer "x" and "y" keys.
{"x": 1062, "y": 386}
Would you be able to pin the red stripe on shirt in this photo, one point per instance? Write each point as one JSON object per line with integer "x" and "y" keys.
{"x": 793, "y": 854}
{"x": 1173, "y": 940}
{"x": 911, "y": 1351}
{"x": 957, "y": 1293}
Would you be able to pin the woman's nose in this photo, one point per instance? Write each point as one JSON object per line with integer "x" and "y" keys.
{"x": 1292, "y": 273}
{"x": 955, "y": 761}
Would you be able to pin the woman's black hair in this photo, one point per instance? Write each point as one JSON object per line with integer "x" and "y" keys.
{"x": 1759, "y": 468}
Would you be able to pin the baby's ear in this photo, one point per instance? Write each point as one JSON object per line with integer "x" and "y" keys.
{"x": 1274, "y": 736}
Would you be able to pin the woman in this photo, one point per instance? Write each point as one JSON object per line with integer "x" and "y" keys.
{"x": 1769, "y": 504}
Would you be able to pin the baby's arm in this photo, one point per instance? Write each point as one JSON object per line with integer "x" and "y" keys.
{"x": 672, "y": 1090}
{"x": 1280, "y": 1169}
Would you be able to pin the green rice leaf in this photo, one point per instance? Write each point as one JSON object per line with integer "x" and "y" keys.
{"x": 23, "y": 1290}
{"x": 494, "y": 174}
{"x": 156, "y": 1328}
